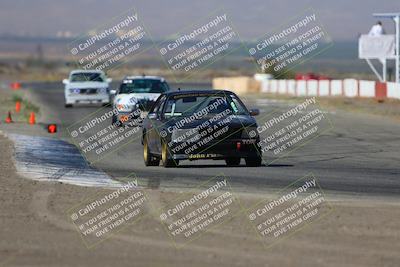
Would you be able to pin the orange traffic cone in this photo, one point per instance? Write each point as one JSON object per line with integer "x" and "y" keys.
{"x": 9, "y": 119}
{"x": 15, "y": 85}
{"x": 52, "y": 128}
{"x": 32, "y": 119}
{"x": 17, "y": 106}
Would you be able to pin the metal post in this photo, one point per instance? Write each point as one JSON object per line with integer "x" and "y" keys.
{"x": 397, "y": 22}
{"x": 374, "y": 70}
{"x": 384, "y": 69}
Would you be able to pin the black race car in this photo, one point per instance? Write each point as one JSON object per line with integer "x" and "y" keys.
{"x": 200, "y": 124}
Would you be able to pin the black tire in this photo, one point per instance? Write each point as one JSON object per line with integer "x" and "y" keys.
{"x": 253, "y": 161}
{"x": 68, "y": 105}
{"x": 114, "y": 119}
{"x": 166, "y": 158}
{"x": 232, "y": 161}
{"x": 149, "y": 159}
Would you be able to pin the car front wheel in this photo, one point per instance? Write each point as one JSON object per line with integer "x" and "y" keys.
{"x": 114, "y": 119}
{"x": 149, "y": 159}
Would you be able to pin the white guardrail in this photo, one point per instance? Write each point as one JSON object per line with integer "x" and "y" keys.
{"x": 345, "y": 88}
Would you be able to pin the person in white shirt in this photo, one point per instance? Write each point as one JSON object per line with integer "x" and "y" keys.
{"x": 377, "y": 30}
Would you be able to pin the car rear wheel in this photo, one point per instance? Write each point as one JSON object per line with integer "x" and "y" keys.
{"x": 253, "y": 161}
{"x": 166, "y": 158}
{"x": 232, "y": 161}
{"x": 149, "y": 159}
{"x": 68, "y": 105}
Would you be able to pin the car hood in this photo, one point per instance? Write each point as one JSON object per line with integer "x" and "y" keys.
{"x": 129, "y": 99}
{"x": 236, "y": 121}
{"x": 84, "y": 85}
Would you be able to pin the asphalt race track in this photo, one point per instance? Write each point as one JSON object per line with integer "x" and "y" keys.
{"x": 360, "y": 155}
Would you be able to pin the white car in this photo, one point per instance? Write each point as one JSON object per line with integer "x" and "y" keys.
{"x": 135, "y": 96}
{"x": 86, "y": 86}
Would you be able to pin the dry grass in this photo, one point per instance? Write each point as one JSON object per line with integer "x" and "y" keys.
{"x": 8, "y": 98}
{"x": 389, "y": 108}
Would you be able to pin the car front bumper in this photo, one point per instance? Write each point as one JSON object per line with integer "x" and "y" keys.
{"x": 87, "y": 99}
{"x": 240, "y": 148}
{"x": 133, "y": 117}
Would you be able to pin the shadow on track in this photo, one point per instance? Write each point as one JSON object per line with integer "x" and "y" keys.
{"x": 225, "y": 166}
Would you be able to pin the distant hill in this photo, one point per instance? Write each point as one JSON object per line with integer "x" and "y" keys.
{"x": 341, "y": 58}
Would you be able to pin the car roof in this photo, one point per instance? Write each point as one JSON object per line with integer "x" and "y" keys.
{"x": 201, "y": 91}
{"x": 86, "y": 71}
{"x": 144, "y": 77}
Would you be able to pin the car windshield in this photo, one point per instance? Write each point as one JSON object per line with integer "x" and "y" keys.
{"x": 143, "y": 86}
{"x": 207, "y": 104}
{"x": 87, "y": 77}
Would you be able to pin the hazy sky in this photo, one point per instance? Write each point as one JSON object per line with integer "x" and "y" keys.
{"x": 343, "y": 19}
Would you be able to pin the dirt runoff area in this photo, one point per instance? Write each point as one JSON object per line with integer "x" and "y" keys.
{"x": 36, "y": 231}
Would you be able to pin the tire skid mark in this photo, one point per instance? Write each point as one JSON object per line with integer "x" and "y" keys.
{"x": 48, "y": 159}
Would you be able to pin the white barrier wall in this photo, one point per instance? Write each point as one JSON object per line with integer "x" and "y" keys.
{"x": 346, "y": 87}
{"x": 301, "y": 88}
{"x": 324, "y": 87}
{"x": 282, "y": 86}
{"x": 265, "y": 86}
{"x": 393, "y": 90}
{"x": 336, "y": 87}
{"x": 350, "y": 87}
{"x": 274, "y": 86}
{"x": 291, "y": 87}
{"x": 367, "y": 89}
{"x": 312, "y": 88}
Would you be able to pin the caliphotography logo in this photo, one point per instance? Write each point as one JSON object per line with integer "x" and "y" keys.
{"x": 193, "y": 215}
{"x": 296, "y": 206}
{"x": 99, "y": 216}
{"x": 291, "y": 44}
{"x": 110, "y": 45}
{"x": 200, "y": 44}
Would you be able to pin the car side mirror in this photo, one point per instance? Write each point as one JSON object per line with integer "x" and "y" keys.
{"x": 254, "y": 112}
{"x": 113, "y": 92}
{"x": 152, "y": 116}
{"x": 65, "y": 81}
{"x": 109, "y": 80}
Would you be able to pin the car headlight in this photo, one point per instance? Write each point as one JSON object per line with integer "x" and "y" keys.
{"x": 103, "y": 90}
{"x": 133, "y": 100}
{"x": 74, "y": 91}
{"x": 250, "y": 133}
{"x": 124, "y": 107}
{"x": 185, "y": 135}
